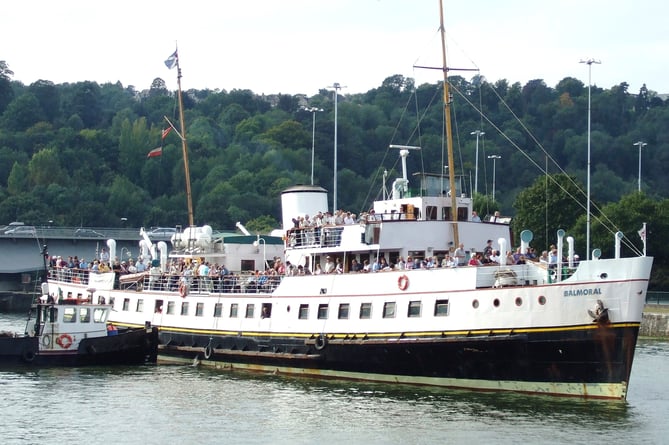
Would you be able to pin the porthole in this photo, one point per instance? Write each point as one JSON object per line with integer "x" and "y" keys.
{"x": 542, "y": 300}
{"x": 475, "y": 304}
{"x": 519, "y": 301}
{"x": 495, "y": 302}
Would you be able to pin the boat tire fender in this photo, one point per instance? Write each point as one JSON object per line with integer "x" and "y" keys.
{"x": 46, "y": 340}
{"x": 320, "y": 342}
{"x": 403, "y": 282}
{"x": 28, "y": 356}
{"x": 207, "y": 352}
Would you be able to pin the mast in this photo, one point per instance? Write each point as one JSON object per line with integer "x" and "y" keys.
{"x": 184, "y": 148}
{"x": 448, "y": 130}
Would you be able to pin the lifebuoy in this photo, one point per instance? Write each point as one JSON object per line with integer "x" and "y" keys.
{"x": 46, "y": 340}
{"x": 64, "y": 341}
{"x": 403, "y": 282}
{"x": 183, "y": 289}
{"x": 321, "y": 342}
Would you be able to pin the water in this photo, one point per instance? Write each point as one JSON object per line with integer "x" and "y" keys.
{"x": 183, "y": 404}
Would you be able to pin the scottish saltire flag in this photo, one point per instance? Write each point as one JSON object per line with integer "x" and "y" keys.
{"x": 172, "y": 60}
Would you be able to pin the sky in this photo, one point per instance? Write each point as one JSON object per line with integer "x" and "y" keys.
{"x": 302, "y": 46}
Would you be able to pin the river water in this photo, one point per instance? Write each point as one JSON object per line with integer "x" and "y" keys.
{"x": 188, "y": 405}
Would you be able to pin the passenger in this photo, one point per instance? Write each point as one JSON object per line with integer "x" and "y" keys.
{"x": 401, "y": 265}
{"x": 475, "y": 217}
{"x": 460, "y": 255}
{"x": 329, "y": 265}
{"x": 366, "y": 268}
{"x": 339, "y": 267}
{"x": 543, "y": 259}
{"x": 448, "y": 261}
{"x": 409, "y": 264}
{"x": 131, "y": 266}
{"x": 318, "y": 270}
{"x": 496, "y": 217}
{"x": 494, "y": 257}
{"x": 355, "y": 266}
{"x": 475, "y": 260}
{"x": 104, "y": 256}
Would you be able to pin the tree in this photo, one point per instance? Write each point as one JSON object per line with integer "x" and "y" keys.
{"x": 6, "y": 91}
{"x": 22, "y": 113}
{"x": 552, "y": 202}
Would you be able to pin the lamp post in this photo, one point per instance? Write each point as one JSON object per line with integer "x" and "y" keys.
{"x": 494, "y": 168}
{"x": 336, "y": 86}
{"x": 589, "y": 62}
{"x": 478, "y": 133}
{"x": 256, "y": 243}
{"x": 641, "y": 145}
{"x": 313, "y": 111}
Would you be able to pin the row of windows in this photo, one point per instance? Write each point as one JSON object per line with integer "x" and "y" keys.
{"x": 414, "y": 309}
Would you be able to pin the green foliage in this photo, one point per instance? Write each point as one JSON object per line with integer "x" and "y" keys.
{"x": 551, "y": 203}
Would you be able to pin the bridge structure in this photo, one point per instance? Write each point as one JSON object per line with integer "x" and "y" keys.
{"x": 21, "y": 259}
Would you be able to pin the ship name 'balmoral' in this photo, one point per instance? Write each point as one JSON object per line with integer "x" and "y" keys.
{"x": 582, "y": 292}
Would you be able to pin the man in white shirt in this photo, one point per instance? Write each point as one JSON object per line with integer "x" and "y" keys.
{"x": 459, "y": 255}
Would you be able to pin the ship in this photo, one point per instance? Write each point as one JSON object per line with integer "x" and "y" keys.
{"x": 74, "y": 331}
{"x": 415, "y": 313}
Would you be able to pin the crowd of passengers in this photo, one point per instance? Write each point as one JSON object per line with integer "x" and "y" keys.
{"x": 339, "y": 218}
{"x": 198, "y": 275}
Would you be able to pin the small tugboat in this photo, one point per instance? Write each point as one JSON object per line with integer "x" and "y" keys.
{"x": 75, "y": 331}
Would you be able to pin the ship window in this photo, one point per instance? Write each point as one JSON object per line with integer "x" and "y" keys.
{"x": 446, "y": 213}
{"x": 233, "y": 310}
{"x": 69, "y": 315}
{"x": 199, "y": 309}
{"x": 250, "y": 309}
{"x": 158, "y": 307}
{"x": 100, "y": 315}
{"x": 248, "y": 265}
{"x": 366, "y": 310}
{"x": 322, "y": 311}
{"x": 218, "y": 309}
{"x": 84, "y": 315}
{"x": 441, "y": 308}
{"x": 389, "y": 309}
{"x": 184, "y": 308}
{"x": 463, "y": 213}
{"x": 414, "y": 309}
{"x": 266, "y": 311}
{"x": 431, "y": 213}
{"x": 140, "y": 305}
{"x": 343, "y": 311}
{"x": 303, "y": 313}
{"x": 170, "y": 307}
{"x": 126, "y": 304}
